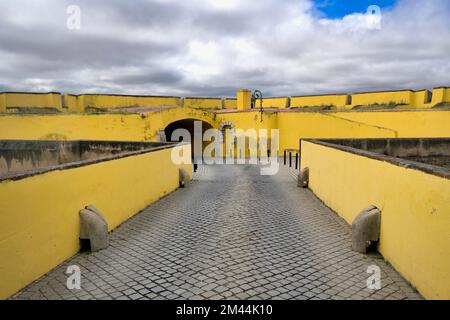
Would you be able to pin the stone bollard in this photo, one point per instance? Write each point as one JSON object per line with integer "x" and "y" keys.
{"x": 94, "y": 227}
{"x": 366, "y": 229}
{"x": 303, "y": 178}
{"x": 184, "y": 178}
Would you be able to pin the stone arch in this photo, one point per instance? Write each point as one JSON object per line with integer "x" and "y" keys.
{"x": 189, "y": 125}
{"x": 226, "y": 125}
{"x": 177, "y": 114}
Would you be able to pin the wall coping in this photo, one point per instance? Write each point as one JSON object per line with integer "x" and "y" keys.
{"x": 408, "y": 164}
{"x": 122, "y": 95}
{"x": 203, "y": 98}
{"x": 76, "y": 164}
{"x": 21, "y": 92}
{"x": 321, "y": 95}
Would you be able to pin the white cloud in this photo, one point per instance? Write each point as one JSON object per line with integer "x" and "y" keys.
{"x": 215, "y": 47}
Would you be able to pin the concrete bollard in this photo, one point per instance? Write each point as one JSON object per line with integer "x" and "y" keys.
{"x": 303, "y": 178}
{"x": 93, "y": 227}
{"x": 366, "y": 229}
{"x": 184, "y": 178}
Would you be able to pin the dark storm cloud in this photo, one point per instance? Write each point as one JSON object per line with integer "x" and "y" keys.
{"x": 150, "y": 76}
{"x": 79, "y": 50}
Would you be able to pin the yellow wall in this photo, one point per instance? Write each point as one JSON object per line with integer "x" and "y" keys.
{"x": 203, "y": 103}
{"x": 104, "y": 101}
{"x": 385, "y": 97}
{"x": 278, "y": 102}
{"x": 131, "y": 127}
{"x": 31, "y": 100}
{"x": 72, "y": 103}
{"x": 292, "y": 125}
{"x": 230, "y": 103}
{"x": 2, "y": 102}
{"x": 38, "y": 234}
{"x": 78, "y": 103}
{"x": 438, "y": 96}
{"x": 419, "y": 99}
{"x": 447, "y": 95}
{"x": 244, "y": 99}
{"x": 384, "y": 124}
{"x": 337, "y": 100}
{"x": 415, "y": 220}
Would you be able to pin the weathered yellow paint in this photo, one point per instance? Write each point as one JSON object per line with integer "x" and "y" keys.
{"x": 350, "y": 124}
{"x": 72, "y": 103}
{"x": 230, "y": 103}
{"x": 292, "y": 125}
{"x": 336, "y": 100}
{"x": 38, "y": 234}
{"x": 275, "y": 102}
{"x": 447, "y": 95}
{"x": 203, "y": 103}
{"x": 415, "y": 217}
{"x": 130, "y": 127}
{"x": 244, "y": 99}
{"x": 106, "y": 101}
{"x": 420, "y": 98}
{"x": 438, "y": 96}
{"x": 249, "y": 120}
{"x": 2, "y": 102}
{"x": 402, "y": 97}
{"x": 79, "y": 103}
{"x": 30, "y": 100}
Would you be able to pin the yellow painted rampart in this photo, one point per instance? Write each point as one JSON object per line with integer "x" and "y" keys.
{"x": 72, "y": 103}
{"x": 13, "y": 100}
{"x": 447, "y": 95}
{"x": 402, "y": 97}
{"x": 421, "y": 99}
{"x": 2, "y": 102}
{"x": 127, "y": 127}
{"x": 274, "y": 102}
{"x": 203, "y": 103}
{"x": 39, "y": 215}
{"x": 337, "y": 100}
{"x": 440, "y": 95}
{"x": 80, "y": 103}
{"x": 351, "y": 124}
{"x": 230, "y": 103}
{"x": 105, "y": 101}
{"x": 292, "y": 125}
{"x": 415, "y": 217}
{"x": 244, "y": 99}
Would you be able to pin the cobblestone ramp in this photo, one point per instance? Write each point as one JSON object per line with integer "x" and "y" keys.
{"x": 233, "y": 234}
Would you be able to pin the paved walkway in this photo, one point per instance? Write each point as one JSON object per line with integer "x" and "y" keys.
{"x": 232, "y": 234}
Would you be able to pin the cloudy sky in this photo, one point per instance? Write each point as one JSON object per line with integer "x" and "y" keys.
{"x": 213, "y": 47}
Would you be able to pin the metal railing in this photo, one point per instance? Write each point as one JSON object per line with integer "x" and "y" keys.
{"x": 288, "y": 153}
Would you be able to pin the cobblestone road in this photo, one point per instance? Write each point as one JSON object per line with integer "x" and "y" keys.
{"x": 232, "y": 234}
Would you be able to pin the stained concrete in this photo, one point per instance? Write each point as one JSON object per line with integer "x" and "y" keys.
{"x": 19, "y": 156}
